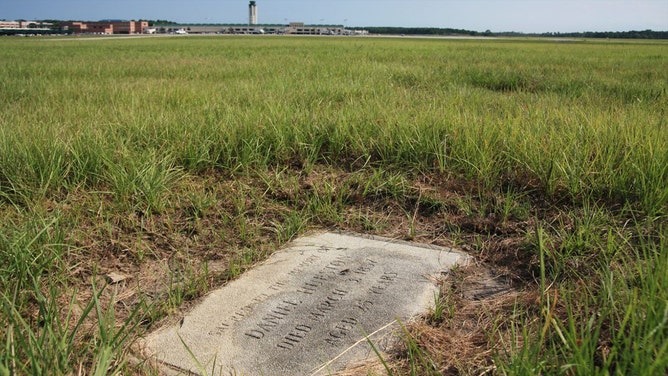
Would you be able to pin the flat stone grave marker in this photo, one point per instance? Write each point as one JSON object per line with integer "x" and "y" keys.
{"x": 306, "y": 310}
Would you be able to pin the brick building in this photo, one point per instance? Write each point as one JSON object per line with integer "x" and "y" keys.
{"x": 107, "y": 27}
{"x": 9, "y": 25}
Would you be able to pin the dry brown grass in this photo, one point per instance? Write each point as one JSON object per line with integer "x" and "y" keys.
{"x": 474, "y": 329}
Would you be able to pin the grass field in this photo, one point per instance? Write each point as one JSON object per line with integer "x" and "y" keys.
{"x": 138, "y": 174}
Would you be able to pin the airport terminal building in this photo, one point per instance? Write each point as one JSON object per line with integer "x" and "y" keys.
{"x": 294, "y": 28}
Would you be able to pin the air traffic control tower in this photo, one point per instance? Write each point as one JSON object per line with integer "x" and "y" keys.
{"x": 252, "y": 13}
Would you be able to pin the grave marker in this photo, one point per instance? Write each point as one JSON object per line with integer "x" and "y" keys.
{"x": 305, "y": 310}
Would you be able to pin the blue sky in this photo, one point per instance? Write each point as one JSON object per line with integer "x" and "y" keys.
{"x": 496, "y": 15}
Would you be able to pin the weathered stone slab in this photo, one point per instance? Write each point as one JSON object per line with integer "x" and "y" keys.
{"x": 307, "y": 308}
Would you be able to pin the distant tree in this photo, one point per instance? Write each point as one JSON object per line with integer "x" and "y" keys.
{"x": 633, "y": 34}
{"x": 164, "y": 22}
{"x": 417, "y": 30}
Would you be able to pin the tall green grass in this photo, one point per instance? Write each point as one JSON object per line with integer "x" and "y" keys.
{"x": 580, "y": 119}
{"x": 43, "y": 325}
{"x": 611, "y": 320}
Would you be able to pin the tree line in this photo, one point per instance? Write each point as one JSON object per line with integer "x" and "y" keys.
{"x": 633, "y": 34}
